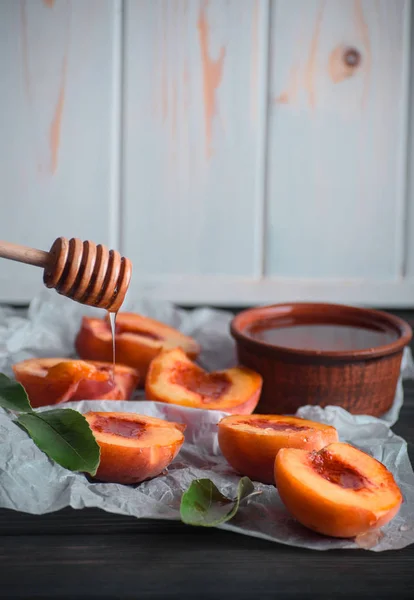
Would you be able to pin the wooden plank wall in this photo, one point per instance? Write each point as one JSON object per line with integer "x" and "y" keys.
{"x": 338, "y": 101}
{"x": 193, "y": 143}
{"x": 408, "y": 234}
{"x": 58, "y": 63}
{"x": 238, "y": 151}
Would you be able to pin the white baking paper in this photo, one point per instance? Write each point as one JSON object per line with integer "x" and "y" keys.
{"x": 30, "y": 482}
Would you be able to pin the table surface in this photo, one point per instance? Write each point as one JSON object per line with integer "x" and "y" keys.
{"x": 93, "y": 554}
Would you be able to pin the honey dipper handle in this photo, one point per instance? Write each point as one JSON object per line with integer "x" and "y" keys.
{"x": 23, "y": 254}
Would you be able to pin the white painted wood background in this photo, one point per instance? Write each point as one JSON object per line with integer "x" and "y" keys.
{"x": 225, "y": 146}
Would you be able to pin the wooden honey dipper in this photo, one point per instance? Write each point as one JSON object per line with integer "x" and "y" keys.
{"x": 83, "y": 271}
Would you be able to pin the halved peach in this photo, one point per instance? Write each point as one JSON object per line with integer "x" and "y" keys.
{"x": 55, "y": 380}
{"x": 339, "y": 491}
{"x": 134, "y": 447}
{"x": 175, "y": 379}
{"x": 250, "y": 443}
{"x": 138, "y": 340}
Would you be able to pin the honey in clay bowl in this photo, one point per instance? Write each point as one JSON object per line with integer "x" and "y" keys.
{"x": 323, "y": 354}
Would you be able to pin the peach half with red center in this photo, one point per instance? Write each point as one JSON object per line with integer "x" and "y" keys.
{"x": 138, "y": 340}
{"x": 134, "y": 447}
{"x": 339, "y": 491}
{"x": 250, "y": 443}
{"x": 175, "y": 379}
{"x": 55, "y": 380}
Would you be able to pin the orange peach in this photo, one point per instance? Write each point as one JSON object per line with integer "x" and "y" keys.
{"x": 138, "y": 340}
{"x": 175, "y": 379}
{"x": 55, "y": 380}
{"x": 339, "y": 491}
{"x": 134, "y": 447}
{"x": 250, "y": 443}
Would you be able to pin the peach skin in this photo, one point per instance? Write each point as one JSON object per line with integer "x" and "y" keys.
{"x": 55, "y": 380}
{"x": 138, "y": 340}
{"x": 175, "y": 379}
{"x": 250, "y": 443}
{"x": 134, "y": 447}
{"x": 339, "y": 491}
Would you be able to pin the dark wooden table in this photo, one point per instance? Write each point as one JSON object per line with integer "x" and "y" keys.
{"x": 93, "y": 554}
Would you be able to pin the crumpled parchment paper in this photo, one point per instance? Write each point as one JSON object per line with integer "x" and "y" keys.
{"x": 30, "y": 482}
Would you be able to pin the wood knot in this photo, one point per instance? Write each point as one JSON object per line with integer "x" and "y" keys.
{"x": 352, "y": 57}
{"x": 343, "y": 63}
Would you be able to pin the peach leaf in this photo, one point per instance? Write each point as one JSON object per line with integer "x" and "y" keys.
{"x": 65, "y": 436}
{"x": 13, "y": 395}
{"x": 202, "y": 504}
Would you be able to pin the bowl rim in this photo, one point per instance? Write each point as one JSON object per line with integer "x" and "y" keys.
{"x": 246, "y": 318}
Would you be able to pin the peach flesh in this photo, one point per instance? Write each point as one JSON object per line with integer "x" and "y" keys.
{"x": 175, "y": 379}
{"x": 268, "y": 424}
{"x": 141, "y": 332}
{"x": 207, "y": 385}
{"x": 133, "y": 447}
{"x": 92, "y": 381}
{"x": 56, "y": 380}
{"x": 339, "y": 491}
{"x": 138, "y": 340}
{"x": 334, "y": 470}
{"x": 250, "y": 444}
{"x": 121, "y": 427}
{"x": 74, "y": 370}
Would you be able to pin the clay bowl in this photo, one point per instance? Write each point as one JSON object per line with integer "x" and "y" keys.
{"x": 324, "y": 354}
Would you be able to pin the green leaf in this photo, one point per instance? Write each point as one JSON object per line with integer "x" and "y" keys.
{"x": 13, "y": 395}
{"x": 204, "y": 505}
{"x": 65, "y": 436}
